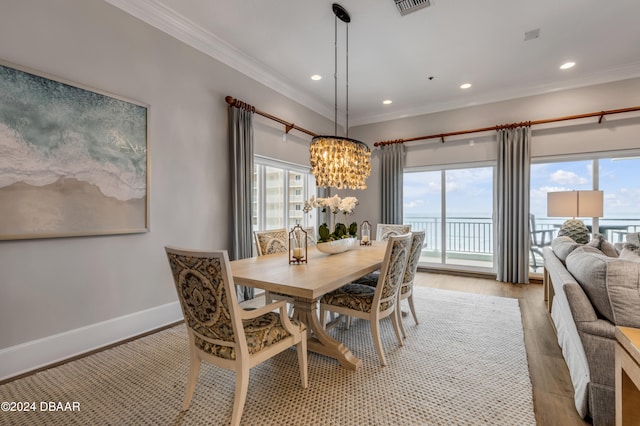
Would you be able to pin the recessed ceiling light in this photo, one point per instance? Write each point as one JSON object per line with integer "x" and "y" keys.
{"x": 316, "y": 77}
{"x": 387, "y": 101}
{"x": 567, "y": 65}
{"x": 465, "y": 85}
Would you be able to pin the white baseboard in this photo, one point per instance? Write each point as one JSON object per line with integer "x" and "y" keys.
{"x": 39, "y": 353}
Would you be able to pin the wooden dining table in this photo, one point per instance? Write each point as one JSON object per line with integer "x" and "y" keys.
{"x": 306, "y": 283}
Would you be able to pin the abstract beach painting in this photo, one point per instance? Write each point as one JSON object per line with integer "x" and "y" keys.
{"x": 73, "y": 161}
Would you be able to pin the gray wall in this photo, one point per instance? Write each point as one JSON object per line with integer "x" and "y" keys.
{"x": 53, "y": 287}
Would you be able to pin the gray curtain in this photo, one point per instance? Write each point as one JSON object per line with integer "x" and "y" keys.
{"x": 241, "y": 169}
{"x": 391, "y": 173}
{"x": 514, "y": 158}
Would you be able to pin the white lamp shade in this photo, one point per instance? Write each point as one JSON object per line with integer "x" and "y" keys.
{"x": 575, "y": 204}
{"x": 590, "y": 203}
{"x": 562, "y": 204}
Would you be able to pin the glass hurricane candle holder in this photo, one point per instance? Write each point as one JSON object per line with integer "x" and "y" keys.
{"x": 365, "y": 233}
{"x": 297, "y": 245}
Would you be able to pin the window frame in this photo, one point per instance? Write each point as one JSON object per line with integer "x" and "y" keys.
{"x": 286, "y": 167}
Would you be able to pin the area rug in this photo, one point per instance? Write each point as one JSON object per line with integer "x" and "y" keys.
{"x": 464, "y": 364}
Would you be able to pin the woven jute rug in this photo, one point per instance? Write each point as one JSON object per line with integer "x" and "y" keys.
{"x": 464, "y": 364}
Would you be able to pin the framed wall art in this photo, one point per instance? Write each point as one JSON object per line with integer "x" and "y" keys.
{"x": 73, "y": 160}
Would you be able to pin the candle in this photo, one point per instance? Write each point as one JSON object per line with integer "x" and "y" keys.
{"x": 365, "y": 238}
{"x": 297, "y": 253}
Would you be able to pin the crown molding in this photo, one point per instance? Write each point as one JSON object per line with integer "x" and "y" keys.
{"x": 159, "y": 16}
{"x": 168, "y": 21}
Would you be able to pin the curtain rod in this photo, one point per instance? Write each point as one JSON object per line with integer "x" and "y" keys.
{"x": 441, "y": 136}
{"x": 287, "y": 126}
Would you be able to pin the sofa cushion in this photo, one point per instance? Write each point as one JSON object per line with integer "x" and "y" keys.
{"x": 612, "y": 285}
{"x": 563, "y": 246}
{"x": 603, "y": 245}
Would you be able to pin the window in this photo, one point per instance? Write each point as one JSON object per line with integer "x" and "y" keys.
{"x": 455, "y": 208}
{"x": 279, "y": 192}
{"x": 615, "y": 176}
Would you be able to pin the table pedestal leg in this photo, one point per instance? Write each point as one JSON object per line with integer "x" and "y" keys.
{"x": 319, "y": 341}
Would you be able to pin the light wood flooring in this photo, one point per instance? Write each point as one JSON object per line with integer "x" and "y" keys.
{"x": 552, "y": 388}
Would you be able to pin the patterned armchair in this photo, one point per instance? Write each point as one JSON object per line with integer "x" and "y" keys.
{"x": 272, "y": 241}
{"x": 406, "y": 291}
{"x": 220, "y": 331}
{"x": 384, "y": 231}
{"x": 277, "y": 241}
{"x": 374, "y": 303}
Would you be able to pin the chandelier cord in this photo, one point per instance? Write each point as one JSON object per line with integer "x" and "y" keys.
{"x": 347, "y": 84}
{"x": 335, "y": 75}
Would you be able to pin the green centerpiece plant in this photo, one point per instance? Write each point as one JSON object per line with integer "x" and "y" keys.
{"x": 335, "y": 205}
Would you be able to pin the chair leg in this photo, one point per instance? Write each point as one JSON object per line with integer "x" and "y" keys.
{"x": 302, "y": 360}
{"x": 396, "y": 320}
{"x": 398, "y": 314}
{"x": 194, "y": 370}
{"x": 413, "y": 308}
{"x": 242, "y": 385}
{"x": 375, "y": 333}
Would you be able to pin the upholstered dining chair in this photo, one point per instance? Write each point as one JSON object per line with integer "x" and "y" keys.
{"x": 406, "y": 291}
{"x": 271, "y": 241}
{"x": 374, "y": 303}
{"x": 384, "y": 230}
{"x": 220, "y": 331}
{"x": 277, "y": 241}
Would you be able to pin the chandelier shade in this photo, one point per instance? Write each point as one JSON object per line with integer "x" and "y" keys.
{"x": 340, "y": 162}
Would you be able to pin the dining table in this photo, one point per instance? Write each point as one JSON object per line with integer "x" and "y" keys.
{"x": 307, "y": 282}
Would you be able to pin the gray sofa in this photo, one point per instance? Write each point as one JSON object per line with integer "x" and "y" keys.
{"x": 588, "y": 294}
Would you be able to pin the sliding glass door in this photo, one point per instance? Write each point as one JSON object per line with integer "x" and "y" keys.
{"x": 455, "y": 208}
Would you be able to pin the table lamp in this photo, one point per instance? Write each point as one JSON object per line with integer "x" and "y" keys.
{"x": 575, "y": 204}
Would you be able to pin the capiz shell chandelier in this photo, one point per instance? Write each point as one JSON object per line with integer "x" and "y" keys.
{"x": 340, "y": 162}
{"x": 336, "y": 161}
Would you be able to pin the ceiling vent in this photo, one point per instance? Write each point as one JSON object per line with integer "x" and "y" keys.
{"x": 408, "y": 6}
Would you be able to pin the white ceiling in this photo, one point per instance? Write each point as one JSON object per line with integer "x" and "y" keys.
{"x": 281, "y": 43}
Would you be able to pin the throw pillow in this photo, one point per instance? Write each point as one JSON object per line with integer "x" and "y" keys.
{"x": 603, "y": 245}
{"x": 563, "y": 246}
{"x": 633, "y": 238}
{"x": 610, "y": 284}
{"x": 630, "y": 252}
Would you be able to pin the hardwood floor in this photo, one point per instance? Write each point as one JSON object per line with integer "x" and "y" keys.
{"x": 552, "y": 388}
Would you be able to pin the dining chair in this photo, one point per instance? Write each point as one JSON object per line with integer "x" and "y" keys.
{"x": 277, "y": 241}
{"x": 385, "y": 230}
{"x": 406, "y": 291}
{"x": 271, "y": 242}
{"x": 374, "y": 303}
{"x": 220, "y": 331}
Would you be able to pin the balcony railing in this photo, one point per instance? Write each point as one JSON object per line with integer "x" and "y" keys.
{"x": 472, "y": 238}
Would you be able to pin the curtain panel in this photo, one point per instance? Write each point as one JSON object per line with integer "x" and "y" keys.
{"x": 513, "y": 180}
{"x": 391, "y": 174}
{"x": 241, "y": 170}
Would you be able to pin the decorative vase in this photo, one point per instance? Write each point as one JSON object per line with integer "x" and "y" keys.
{"x": 338, "y": 246}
